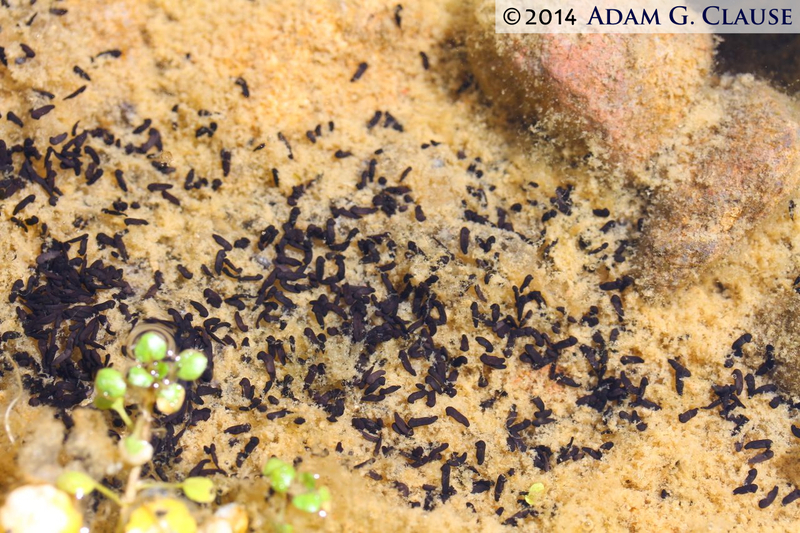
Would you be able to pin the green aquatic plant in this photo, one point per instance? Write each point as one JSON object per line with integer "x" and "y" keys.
{"x": 153, "y": 383}
{"x": 299, "y": 490}
{"x": 78, "y": 484}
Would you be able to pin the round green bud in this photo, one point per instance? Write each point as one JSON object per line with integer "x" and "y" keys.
{"x": 151, "y": 346}
{"x": 135, "y": 451}
{"x": 310, "y": 502}
{"x": 139, "y": 377}
{"x": 110, "y": 383}
{"x": 191, "y": 364}
{"x": 280, "y": 474}
{"x": 199, "y": 489}
{"x": 170, "y": 398}
{"x": 77, "y": 484}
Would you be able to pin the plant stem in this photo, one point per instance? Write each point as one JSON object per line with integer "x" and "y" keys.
{"x": 119, "y": 408}
{"x": 141, "y": 431}
{"x": 108, "y": 493}
{"x": 163, "y": 485}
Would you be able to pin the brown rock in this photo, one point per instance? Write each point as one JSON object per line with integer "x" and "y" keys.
{"x": 718, "y": 155}
{"x": 619, "y": 94}
{"x": 720, "y": 178}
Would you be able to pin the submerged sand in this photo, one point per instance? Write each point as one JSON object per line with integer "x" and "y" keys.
{"x": 535, "y": 263}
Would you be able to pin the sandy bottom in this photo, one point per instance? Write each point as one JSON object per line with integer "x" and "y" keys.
{"x": 396, "y": 253}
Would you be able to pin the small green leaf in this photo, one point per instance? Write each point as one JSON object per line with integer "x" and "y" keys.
{"x": 273, "y": 464}
{"x": 310, "y": 502}
{"x": 139, "y": 377}
{"x": 101, "y": 402}
{"x": 308, "y": 480}
{"x": 77, "y": 484}
{"x": 161, "y": 369}
{"x": 110, "y": 383}
{"x": 533, "y": 492}
{"x": 170, "y": 398}
{"x": 151, "y": 346}
{"x": 191, "y": 364}
{"x": 280, "y": 473}
{"x": 282, "y": 478}
{"x": 199, "y": 489}
{"x": 284, "y": 528}
{"x": 136, "y": 451}
{"x": 325, "y": 494}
